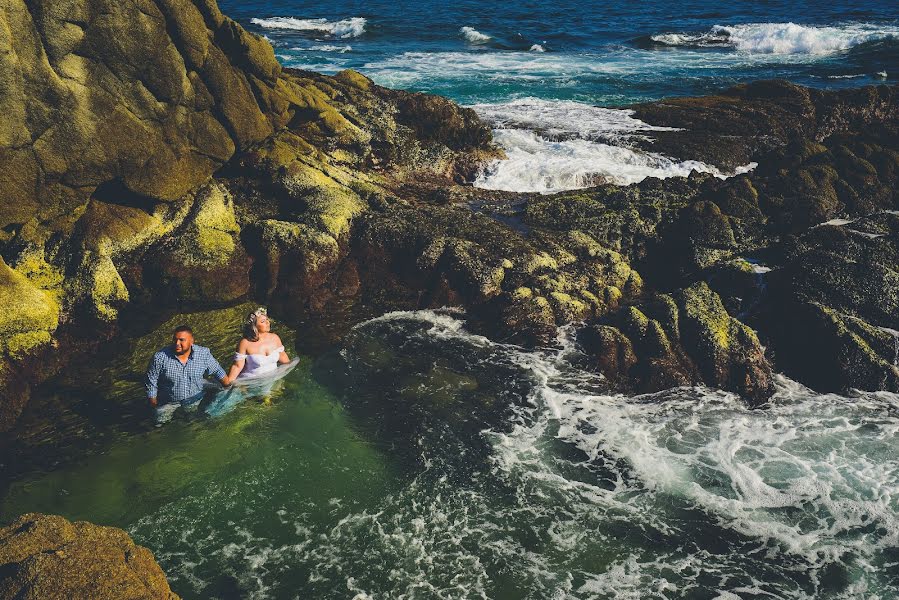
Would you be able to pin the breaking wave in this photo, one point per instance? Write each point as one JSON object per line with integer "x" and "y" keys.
{"x": 473, "y": 35}
{"x": 553, "y": 146}
{"x": 347, "y": 28}
{"x": 779, "y": 38}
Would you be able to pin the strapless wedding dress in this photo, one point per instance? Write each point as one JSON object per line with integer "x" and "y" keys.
{"x": 259, "y": 364}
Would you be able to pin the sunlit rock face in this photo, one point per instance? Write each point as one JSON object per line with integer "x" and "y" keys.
{"x": 45, "y": 556}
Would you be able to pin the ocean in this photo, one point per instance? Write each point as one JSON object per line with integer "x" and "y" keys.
{"x": 370, "y": 473}
{"x": 536, "y": 70}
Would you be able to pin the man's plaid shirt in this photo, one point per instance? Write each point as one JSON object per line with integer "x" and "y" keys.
{"x": 169, "y": 380}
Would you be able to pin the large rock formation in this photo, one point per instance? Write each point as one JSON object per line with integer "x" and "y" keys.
{"x": 155, "y": 155}
{"x": 118, "y": 114}
{"x": 45, "y": 557}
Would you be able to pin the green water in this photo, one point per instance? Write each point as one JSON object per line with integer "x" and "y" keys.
{"x": 415, "y": 460}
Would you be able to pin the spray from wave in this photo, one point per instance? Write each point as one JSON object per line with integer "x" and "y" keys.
{"x": 347, "y": 28}
{"x": 474, "y": 36}
{"x": 780, "y": 38}
{"x": 553, "y": 146}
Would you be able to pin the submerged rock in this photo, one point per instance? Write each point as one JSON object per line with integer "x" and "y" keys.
{"x": 43, "y": 557}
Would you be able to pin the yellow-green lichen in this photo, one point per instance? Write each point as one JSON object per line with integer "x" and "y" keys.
{"x": 38, "y": 271}
{"x": 611, "y": 295}
{"x": 703, "y": 306}
{"x": 635, "y": 320}
{"x": 522, "y": 293}
{"x": 209, "y": 238}
{"x": 20, "y": 344}
{"x": 541, "y": 261}
{"x": 591, "y": 298}
{"x": 108, "y": 291}
{"x": 568, "y": 308}
{"x": 354, "y": 79}
{"x": 32, "y": 314}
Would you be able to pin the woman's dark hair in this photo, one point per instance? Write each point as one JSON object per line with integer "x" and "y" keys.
{"x": 250, "y": 330}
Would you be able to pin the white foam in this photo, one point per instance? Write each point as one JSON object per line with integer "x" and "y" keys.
{"x": 838, "y": 222}
{"x": 700, "y": 496}
{"x": 554, "y": 145}
{"x": 422, "y": 68}
{"x": 346, "y": 28}
{"x": 325, "y": 48}
{"x": 473, "y": 35}
{"x": 782, "y": 38}
{"x": 537, "y": 48}
{"x": 564, "y": 119}
{"x": 813, "y": 478}
{"x": 537, "y": 164}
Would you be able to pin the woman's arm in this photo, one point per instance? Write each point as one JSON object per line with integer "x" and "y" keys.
{"x": 283, "y": 359}
{"x": 239, "y": 363}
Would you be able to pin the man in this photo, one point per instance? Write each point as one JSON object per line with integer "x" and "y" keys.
{"x": 176, "y": 373}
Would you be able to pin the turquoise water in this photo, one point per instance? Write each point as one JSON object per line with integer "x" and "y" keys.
{"x": 604, "y": 53}
{"x": 421, "y": 461}
{"x": 536, "y": 71}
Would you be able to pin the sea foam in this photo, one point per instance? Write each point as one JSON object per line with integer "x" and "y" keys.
{"x": 473, "y": 35}
{"x": 553, "y": 146}
{"x": 347, "y": 28}
{"x": 781, "y": 38}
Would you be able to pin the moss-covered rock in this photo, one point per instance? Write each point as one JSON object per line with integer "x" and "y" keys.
{"x": 203, "y": 261}
{"x": 46, "y": 557}
{"x": 31, "y": 315}
{"x": 149, "y": 94}
{"x": 678, "y": 340}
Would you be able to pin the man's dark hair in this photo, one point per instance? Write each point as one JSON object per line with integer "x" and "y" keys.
{"x": 181, "y": 328}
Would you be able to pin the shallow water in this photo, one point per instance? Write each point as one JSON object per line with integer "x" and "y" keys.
{"x": 426, "y": 462}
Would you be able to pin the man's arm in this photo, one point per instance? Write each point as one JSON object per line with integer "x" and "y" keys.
{"x": 215, "y": 369}
{"x": 151, "y": 380}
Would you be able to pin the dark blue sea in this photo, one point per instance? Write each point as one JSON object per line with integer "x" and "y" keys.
{"x": 607, "y": 53}
{"x": 536, "y": 70}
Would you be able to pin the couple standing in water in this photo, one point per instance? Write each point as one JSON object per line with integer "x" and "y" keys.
{"x": 176, "y": 374}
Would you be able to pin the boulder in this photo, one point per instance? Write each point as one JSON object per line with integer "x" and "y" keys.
{"x": 680, "y": 339}
{"x": 45, "y": 557}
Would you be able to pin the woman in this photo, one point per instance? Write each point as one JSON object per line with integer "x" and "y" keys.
{"x": 259, "y": 351}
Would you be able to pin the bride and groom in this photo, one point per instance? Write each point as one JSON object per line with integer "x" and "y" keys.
{"x": 177, "y": 373}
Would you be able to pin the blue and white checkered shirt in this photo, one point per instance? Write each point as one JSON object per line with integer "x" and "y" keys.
{"x": 169, "y": 380}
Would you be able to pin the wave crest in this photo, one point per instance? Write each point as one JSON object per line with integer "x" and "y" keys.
{"x": 473, "y": 35}
{"x": 779, "y": 38}
{"x": 346, "y": 28}
{"x": 554, "y": 146}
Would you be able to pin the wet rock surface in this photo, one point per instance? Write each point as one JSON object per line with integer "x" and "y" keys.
{"x": 46, "y": 557}
{"x": 221, "y": 177}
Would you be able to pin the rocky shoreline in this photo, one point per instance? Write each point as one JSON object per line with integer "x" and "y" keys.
{"x": 156, "y": 156}
{"x": 212, "y": 174}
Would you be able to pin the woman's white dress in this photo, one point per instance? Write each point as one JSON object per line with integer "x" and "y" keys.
{"x": 259, "y": 364}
